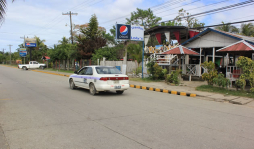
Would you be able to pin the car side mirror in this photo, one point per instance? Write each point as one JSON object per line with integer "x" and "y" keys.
{"x": 75, "y": 72}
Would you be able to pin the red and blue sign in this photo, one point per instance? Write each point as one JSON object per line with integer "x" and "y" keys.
{"x": 123, "y": 31}
{"x": 22, "y": 52}
{"x": 30, "y": 44}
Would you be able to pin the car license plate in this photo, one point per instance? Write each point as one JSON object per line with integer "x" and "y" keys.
{"x": 116, "y": 82}
{"x": 117, "y": 87}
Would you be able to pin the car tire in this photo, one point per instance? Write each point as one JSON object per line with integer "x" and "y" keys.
{"x": 92, "y": 89}
{"x": 72, "y": 84}
{"x": 24, "y": 68}
{"x": 119, "y": 92}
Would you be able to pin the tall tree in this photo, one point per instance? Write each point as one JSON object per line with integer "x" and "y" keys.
{"x": 227, "y": 28}
{"x": 3, "y": 7}
{"x": 90, "y": 39}
{"x": 247, "y": 29}
{"x": 186, "y": 17}
{"x": 171, "y": 23}
{"x": 144, "y": 18}
{"x": 135, "y": 51}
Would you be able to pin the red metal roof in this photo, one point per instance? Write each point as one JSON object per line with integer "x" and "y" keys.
{"x": 238, "y": 46}
{"x": 181, "y": 50}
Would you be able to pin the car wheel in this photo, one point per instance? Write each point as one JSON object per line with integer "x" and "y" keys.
{"x": 24, "y": 68}
{"x": 72, "y": 85}
{"x": 92, "y": 89}
{"x": 119, "y": 92}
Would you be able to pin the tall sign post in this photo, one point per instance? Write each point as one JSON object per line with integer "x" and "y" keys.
{"x": 130, "y": 32}
{"x": 137, "y": 34}
{"x": 23, "y": 53}
{"x": 30, "y": 42}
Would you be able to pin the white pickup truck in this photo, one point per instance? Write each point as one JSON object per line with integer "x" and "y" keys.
{"x": 32, "y": 64}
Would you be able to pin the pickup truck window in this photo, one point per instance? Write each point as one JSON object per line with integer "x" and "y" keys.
{"x": 31, "y": 63}
{"x": 35, "y": 62}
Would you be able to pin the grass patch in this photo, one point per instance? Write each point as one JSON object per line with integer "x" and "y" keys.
{"x": 214, "y": 89}
{"x": 14, "y": 65}
{"x": 66, "y": 71}
{"x": 144, "y": 80}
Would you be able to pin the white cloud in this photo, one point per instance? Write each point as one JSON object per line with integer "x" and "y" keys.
{"x": 45, "y": 20}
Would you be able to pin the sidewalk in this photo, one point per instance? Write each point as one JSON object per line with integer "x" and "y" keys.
{"x": 187, "y": 87}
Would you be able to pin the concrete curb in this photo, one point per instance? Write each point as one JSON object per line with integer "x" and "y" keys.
{"x": 163, "y": 90}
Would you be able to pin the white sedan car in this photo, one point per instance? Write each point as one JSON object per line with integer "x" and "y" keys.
{"x": 99, "y": 78}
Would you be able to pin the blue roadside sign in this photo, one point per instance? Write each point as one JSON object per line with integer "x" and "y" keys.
{"x": 22, "y": 52}
{"x": 30, "y": 44}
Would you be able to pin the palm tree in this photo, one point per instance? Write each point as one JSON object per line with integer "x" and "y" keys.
{"x": 3, "y": 7}
{"x": 247, "y": 29}
{"x": 227, "y": 28}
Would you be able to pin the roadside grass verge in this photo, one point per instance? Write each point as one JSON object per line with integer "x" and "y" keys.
{"x": 144, "y": 80}
{"x": 66, "y": 71}
{"x": 13, "y": 65}
{"x": 215, "y": 89}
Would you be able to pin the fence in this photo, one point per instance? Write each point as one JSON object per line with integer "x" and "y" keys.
{"x": 131, "y": 65}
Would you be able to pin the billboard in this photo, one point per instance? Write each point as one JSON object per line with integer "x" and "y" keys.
{"x": 159, "y": 47}
{"x": 22, "y": 52}
{"x": 123, "y": 31}
{"x": 137, "y": 33}
{"x": 30, "y": 42}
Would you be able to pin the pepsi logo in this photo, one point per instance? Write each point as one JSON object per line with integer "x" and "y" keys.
{"x": 124, "y": 30}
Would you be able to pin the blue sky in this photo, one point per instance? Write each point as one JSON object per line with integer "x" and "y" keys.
{"x": 45, "y": 20}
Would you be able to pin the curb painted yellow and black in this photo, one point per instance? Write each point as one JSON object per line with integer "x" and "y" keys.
{"x": 163, "y": 90}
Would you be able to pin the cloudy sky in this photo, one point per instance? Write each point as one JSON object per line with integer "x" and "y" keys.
{"x": 44, "y": 18}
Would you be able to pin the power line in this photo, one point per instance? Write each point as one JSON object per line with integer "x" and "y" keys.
{"x": 129, "y": 14}
{"x": 191, "y": 9}
{"x": 218, "y": 9}
{"x": 222, "y": 24}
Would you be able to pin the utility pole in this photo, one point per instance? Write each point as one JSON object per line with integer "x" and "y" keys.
{"x": 10, "y": 53}
{"x": 70, "y": 13}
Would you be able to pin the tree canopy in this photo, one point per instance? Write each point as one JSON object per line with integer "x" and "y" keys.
{"x": 144, "y": 18}
{"x": 90, "y": 39}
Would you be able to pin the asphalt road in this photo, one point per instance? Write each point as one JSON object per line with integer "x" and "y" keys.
{"x": 39, "y": 110}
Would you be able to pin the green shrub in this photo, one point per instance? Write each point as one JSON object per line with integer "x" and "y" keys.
{"x": 138, "y": 70}
{"x": 252, "y": 90}
{"x": 165, "y": 72}
{"x": 221, "y": 81}
{"x": 150, "y": 67}
{"x": 211, "y": 72}
{"x": 157, "y": 72}
{"x": 240, "y": 83}
{"x": 174, "y": 77}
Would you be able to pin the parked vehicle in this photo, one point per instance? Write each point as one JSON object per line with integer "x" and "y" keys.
{"x": 32, "y": 64}
{"x": 99, "y": 78}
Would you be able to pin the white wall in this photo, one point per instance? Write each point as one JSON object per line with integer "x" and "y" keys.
{"x": 131, "y": 65}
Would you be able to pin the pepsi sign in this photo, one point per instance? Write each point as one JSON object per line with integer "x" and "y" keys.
{"x": 123, "y": 31}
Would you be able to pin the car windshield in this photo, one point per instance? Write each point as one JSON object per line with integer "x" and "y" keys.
{"x": 107, "y": 70}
